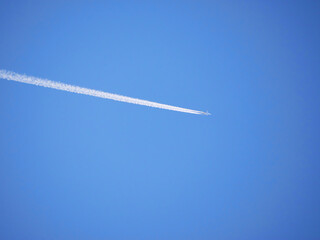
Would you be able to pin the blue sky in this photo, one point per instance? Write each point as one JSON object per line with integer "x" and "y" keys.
{"x": 79, "y": 167}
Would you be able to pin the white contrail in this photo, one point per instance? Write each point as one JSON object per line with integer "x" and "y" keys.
{"x": 86, "y": 91}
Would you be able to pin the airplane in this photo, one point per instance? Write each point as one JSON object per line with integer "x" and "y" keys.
{"x": 206, "y": 113}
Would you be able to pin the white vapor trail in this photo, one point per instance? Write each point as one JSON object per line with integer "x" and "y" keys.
{"x": 86, "y": 91}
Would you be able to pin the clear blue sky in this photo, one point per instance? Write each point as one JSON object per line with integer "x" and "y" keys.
{"x": 79, "y": 167}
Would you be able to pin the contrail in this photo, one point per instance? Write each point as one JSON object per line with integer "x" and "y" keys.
{"x": 91, "y": 92}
